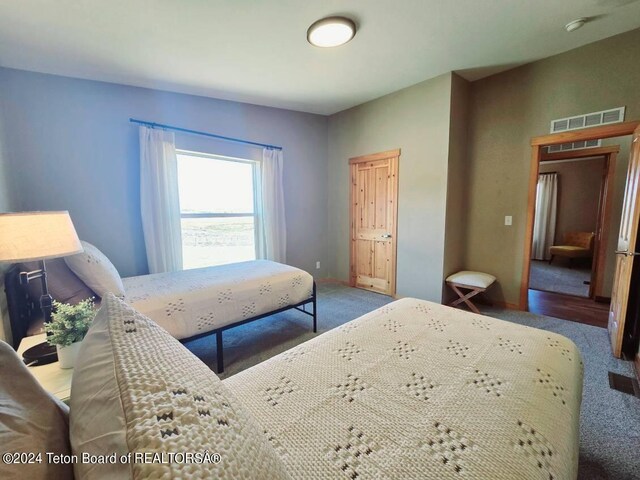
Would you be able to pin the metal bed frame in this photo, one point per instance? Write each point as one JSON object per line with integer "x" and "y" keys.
{"x": 301, "y": 307}
{"x": 23, "y": 310}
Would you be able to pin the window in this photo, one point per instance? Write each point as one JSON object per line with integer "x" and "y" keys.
{"x": 217, "y": 209}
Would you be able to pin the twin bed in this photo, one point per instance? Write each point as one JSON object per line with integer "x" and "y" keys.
{"x": 194, "y": 303}
{"x": 189, "y": 304}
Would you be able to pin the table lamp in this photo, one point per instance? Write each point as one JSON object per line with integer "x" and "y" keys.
{"x": 29, "y": 236}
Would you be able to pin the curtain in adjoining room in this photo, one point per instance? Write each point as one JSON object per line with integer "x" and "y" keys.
{"x": 159, "y": 200}
{"x": 272, "y": 244}
{"x": 544, "y": 225}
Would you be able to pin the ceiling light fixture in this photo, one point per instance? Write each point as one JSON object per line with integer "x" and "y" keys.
{"x": 331, "y": 32}
{"x": 575, "y": 24}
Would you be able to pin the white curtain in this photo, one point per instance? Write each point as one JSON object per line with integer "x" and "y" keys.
{"x": 159, "y": 200}
{"x": 544, "y": 224}
{"x": 272, "y": 230}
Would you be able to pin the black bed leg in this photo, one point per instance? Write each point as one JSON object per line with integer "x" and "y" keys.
{"x": 219, "y": 351}
{"x": 315, "y": 310}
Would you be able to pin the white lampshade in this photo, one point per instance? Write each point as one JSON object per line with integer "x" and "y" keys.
{"x": 29, "y": 236}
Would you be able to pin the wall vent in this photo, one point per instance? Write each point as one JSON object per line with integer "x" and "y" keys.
{"x": 563, "y": 147}
{"x": 614, "y": 115}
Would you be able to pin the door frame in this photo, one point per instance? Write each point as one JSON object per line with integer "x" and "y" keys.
{"x": 394, "y": 227}
{"x": 605, "y": 203}
{"x": 537, "y": 145}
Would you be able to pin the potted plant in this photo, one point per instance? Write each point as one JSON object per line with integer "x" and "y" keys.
{"x": 68, "y": 326}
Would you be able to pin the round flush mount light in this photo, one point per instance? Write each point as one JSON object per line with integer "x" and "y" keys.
{"x": 331, "y": 32}
{"x": 575, "y": 24}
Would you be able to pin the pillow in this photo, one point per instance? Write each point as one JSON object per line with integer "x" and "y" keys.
{"x": 64, "y": 285}
{"x": 137, "y": 390}
{"x": 31, "y": 421}
{"x": 96, "y": 271}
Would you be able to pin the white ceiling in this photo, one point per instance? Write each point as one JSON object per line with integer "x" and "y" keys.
{"x": 256, "y": 50}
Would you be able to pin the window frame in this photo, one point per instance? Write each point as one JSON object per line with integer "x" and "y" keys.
{"x": 257, "y": 210}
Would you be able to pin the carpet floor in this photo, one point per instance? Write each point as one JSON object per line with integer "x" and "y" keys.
{"x": 559, "y": 278}
{"x": 609, "y": 420}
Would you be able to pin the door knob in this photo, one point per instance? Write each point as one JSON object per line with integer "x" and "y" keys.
{"x": 386, "y": 235}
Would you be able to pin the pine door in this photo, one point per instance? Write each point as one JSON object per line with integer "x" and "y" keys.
{"x": 374, "y": 207}
{"x": 626, "y": 250}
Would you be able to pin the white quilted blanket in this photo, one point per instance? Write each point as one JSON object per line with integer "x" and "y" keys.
{"x": 191, "y": 302}
{"x": 420, "y": 390}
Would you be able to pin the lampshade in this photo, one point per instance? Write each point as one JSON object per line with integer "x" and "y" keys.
{"x": 29, "y": 236}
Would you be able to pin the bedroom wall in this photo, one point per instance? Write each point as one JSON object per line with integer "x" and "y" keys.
{"x": 6, "y": 205}
{"x": 416, "y": 120}
{"x": 72, "y": 147}
{"x": 457, "y": 197}
{"x": 579, "y": 184}
{"x": 508, "y": 109}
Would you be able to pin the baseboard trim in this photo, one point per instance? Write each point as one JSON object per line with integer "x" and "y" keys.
{"x": 332, "y": 280}
{"x": 507, "y": 305}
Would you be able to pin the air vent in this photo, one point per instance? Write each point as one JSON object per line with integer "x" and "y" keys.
{"x": 615, "y": 115}
{"x": 563, "y": 147}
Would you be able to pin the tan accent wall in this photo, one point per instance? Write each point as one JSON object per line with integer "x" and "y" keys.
{"x": 579, "y": 184}
{"x": 417, "y": 120}
{"x": 508, "y": 109}
{"x": 456, "y": 215}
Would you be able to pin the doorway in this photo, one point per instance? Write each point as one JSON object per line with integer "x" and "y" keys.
{"x": 622, "y": 240}
{"x": 571, "y": 221}
{"x": 373, "y": 218}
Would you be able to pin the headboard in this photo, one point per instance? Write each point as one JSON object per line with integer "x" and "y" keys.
{"x": 23, "y": 309}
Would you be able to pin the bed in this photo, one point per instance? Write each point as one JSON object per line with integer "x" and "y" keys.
{"x": 420, "y": 390}
{"x": 190, "y": 304}
{"x": 411, "y": 390}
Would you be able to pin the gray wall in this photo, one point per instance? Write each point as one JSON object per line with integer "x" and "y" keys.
{"x": 72, "y": 148}
{"x": 5, "y": 201}
{"x": 5, "y": 206}
{"x": 416, "y": 120}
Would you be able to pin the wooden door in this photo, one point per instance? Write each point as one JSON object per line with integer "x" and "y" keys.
{"x": 374, "y": 207}
{"x": 626, "y": 248}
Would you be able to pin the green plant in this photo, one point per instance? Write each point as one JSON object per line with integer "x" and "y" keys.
{"x": 69, "y": 323}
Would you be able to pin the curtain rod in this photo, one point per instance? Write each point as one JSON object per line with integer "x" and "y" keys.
{"x": 205, "y": 134}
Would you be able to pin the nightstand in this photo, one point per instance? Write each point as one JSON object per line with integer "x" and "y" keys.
{"x": 55, "y": 380}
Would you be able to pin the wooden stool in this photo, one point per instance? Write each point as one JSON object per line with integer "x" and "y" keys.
{"x": 475, "y": 282}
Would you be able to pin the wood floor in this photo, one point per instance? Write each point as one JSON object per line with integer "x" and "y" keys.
{"x": 568, "y": 307}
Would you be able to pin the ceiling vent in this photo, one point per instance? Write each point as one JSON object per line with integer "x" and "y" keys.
{"x": 615, "y": 115}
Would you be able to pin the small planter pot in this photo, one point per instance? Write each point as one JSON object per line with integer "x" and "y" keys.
{"x": 67, "y": 355}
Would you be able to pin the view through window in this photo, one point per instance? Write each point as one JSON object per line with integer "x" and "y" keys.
{"x": 217, "y": 209}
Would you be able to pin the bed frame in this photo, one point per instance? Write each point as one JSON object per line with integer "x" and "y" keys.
{"x": 301, "y": 307}
{"x": 23, "y": 311}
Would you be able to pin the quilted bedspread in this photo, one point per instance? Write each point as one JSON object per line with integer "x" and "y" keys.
{"x": 190, "y": 302}
{"x": 420, "y": 390}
